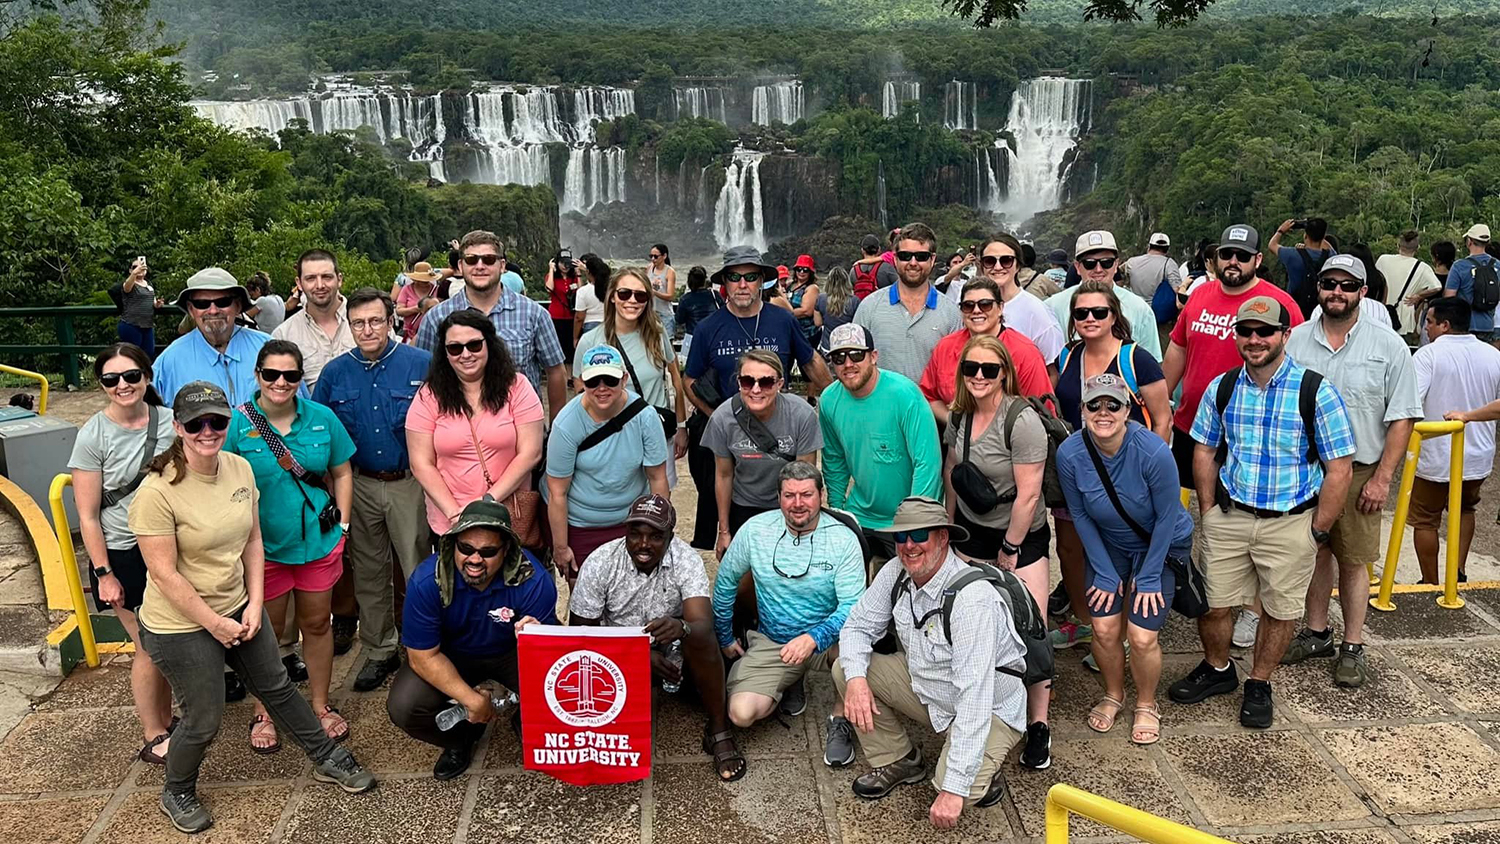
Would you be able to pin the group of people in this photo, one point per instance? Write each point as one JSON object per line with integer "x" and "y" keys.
{"x": 245, "y": 491}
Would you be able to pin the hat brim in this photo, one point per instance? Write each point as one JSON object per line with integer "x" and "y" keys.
{"x": 956, "y": 533}
{"x": 768, "y": 274}
{"x": 201, "y": 410}
{"x": 182, "y": 298}
{"x": 427, "y": 277}
{"x": 602, "y": 369}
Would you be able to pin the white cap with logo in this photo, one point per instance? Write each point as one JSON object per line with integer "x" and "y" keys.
{"x": 1095, "y": 241}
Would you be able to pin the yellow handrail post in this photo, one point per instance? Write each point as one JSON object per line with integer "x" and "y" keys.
{"x": 1398, "y": 525}
{"x": 1421, "y": 431}
{"x": 1062, "y": 799}
{"x": 70, "y": 569}
{"x": 1057, "y": 818}
{"x": 41, "y": 404}
{"x": 1449, "y": 599}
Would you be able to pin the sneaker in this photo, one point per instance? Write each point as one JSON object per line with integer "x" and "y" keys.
{"x": 881, "y": 781}
{"x": 1037, "y": 754}
{"x": 453, "y": 762}
{"x": 185, "y": 812}
{"x": 994, "y": 793}
{"x": 839, "y": 751}
{"x": 1245, "y": 628}
{"x": 1070, "y": 634}
{"x": 344, "y": 628}
{"x": 1057, "y": 603}
{"x": 1255, "y": 712}
{"x": 1309, "y": 645}
{"x": 234, "y": 688}
{"x": 296, "y": 669}
{"x": 1350, "y": 671}
{"x": 372, "y": 675}
{"x": 341, "y": 769}
{"x": 794, "y": 699}
{"x": 1203, "y": 682}
{"x": 1093, "y": 664}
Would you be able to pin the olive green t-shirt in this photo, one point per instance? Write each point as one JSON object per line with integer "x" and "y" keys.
{"x": 212, "y": 517}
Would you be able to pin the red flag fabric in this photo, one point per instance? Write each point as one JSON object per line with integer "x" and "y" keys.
{"x": 586, "y": 703}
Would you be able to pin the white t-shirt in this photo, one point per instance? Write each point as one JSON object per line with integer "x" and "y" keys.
{"x": 588, "y": 304}
{"x": 1457, "y": 372}
{"x": 1368, "y": 309}
{"x": 1028, "y": 315}
{"x": 1396, "y": 269}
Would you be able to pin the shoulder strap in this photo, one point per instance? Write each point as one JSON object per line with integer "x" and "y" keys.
{"x": 479, "y": 453}
{"x": 1066, "y": 353}
{"x": 284, "y": 457}
{"x": 1109, "y": 488}
{"x": 1415, "y": 265}
{"x": 1012, "y": 413}
{"x": 899, "y": 586}
{"x": 111, "y": 497}
{"x": 613, "y": 426}
{"x": 1307, "y": 405}
{"x": 1221, "y": 403}
{"x": 634, "y": 379}
{"x": 950, "y": 594}
{"x": 757, "y": 431}
{"x": 968, "y": 434}
{"x": 1126, "y": 359}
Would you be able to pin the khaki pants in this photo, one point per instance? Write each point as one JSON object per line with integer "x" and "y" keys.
{"x": 1243, "y": 555}
{"x": 387, "y": 514}
{"x": 890, "y": 683}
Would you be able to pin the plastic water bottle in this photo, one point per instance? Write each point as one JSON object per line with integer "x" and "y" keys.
{"x": 674, "y": 657}
{"x": 458, "y": 713}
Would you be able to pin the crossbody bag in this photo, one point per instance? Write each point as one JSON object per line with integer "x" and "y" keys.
{"x": 525, "y": 505}
{"x": 111, "y": 497}
{"x": 328, "y": 517}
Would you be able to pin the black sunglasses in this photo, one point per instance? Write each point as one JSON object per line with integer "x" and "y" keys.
{"x": 853, "y": 355}
{"x": 971, "y": 368}
{"x": 1349, "y": 286}
{"x": 1005, "y": 261}
{"x": 801, "y": 270}
{"x": 764, "y": 382}
{"x": 1081, "y": 314}
{"x": 984, "y": 305}
{"x": 918, "y": 536}
{"x": 222, "y": 303}
{"x": 921, "y": 257}
{"x": 1257, "y": 330}
{"x": 606, "y": 380}
{"x": 625, "y": 294}
{"x": 291, "y": 376}
{"x": 488, "y": 260}
{"x": 747, "y": 278}
{"x": 1090, "y": 263}
{"x": 110, "y": 380}
{"x": 486, "y": 551}
{"x": 1236, "y": 255}
{"x": 456, "y": 349}
{"x": 776, "y": 567}
{"x": 1112, "y": 405}
{"x": 214, "y": 421}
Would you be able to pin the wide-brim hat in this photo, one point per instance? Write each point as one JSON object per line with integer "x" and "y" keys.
{"x": 736, "y": 256}
{"x": 485, "y": 512}
{"x": 215, "y": 279}
{"x": 919, "y": 511}
{"x": 423, "y": 271}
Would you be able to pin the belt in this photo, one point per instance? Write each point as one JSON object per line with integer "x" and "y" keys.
{"x": 1259, "y": 513}
{"x": 399, "y": 475}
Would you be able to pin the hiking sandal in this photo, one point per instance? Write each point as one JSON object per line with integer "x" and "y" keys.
{"x": 261, "y": 728}
{"x": 1102, "y": 716}
{"x": 725, "y": 760}
{"x": 1147, "y": 727}
{"x": 331, "y": 721}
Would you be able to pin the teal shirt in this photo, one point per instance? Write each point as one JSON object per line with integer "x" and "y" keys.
{"x": 887, "y": 442}
{"x": 319, "y": 443}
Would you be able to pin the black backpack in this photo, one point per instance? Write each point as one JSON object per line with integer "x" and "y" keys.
{"x": 1028, "y": 621}
{"x": 1057, "y": 433}
{"x": 1486, "y": 286}
{"x": 1307, "y": 294}
{"x": 1307, "y": 407}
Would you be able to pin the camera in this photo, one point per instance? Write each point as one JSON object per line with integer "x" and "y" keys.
{"x": 1299, "y": 225}
{"x": 328, "y": 517}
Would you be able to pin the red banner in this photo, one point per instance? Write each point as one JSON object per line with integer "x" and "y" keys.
{"x": 586, "y": 703}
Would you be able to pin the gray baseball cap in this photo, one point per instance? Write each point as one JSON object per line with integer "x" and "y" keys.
{"x": 1106, "y": 384}
{"x": 1345, "y": 263}
{"x": 1241, "y": 236}
{"x": 199, "y": 398}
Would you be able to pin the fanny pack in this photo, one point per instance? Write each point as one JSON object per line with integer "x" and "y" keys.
{"x": 969, "y": 482}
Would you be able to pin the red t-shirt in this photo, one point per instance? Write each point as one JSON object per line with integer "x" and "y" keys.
{"x": 939, "y": 378}
{"x": 558, "y": 307}
{"x": 1206, "y": 330}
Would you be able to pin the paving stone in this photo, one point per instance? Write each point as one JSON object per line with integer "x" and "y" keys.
{"x": 378, "y": 744}
{"x": 241, "y": 816}
{"x": 1260, "y": 778}
{"x": 1178, "y": 636}
{"x": 1388, "y": 694}
{"x": 69, "y": 751}
{"x": 93, "y": 688}
{"x": 537, "y": 809}
{"x": 230, "y": 759}
{"x": 679, "y": 723}
{"x": 775, "y": 803}
{"x": 1417, "y": 616}
{"x": 49, "y": 821}
{"x": 24, "y": 625}
{"x": 1420, "y": 768}
{"x": 902, "y": 815}
{"x": 1468, "y": 833}
{"x": 1342, "y": 836}
{"x": 397, "y": 812}
{"x": 1114, "y": 769}
{"x": 1465, "y": 675}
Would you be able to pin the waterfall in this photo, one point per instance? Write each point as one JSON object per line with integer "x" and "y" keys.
{"x": 880, "y": 195}
{"x": 896, "y": 93}
{"x": 656, "y": 177}
{"x": 739, "y": 215}
{"x": 270, "y": 115}
{"x": 700, "y": 102}
{"x": 1047, "y": 115}
{"x": 988, "y": 195}
{"x": 593, "y": 105}
{"x": 960, "y": 105}
{"x": 519, "y": 165}
{"x": 390, "y": 114}
{"x": 593, "y": 176}
{"x": 779, "y": 102}
{"x": 702, "y": 198}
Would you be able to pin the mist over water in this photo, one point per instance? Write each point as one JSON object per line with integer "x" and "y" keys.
{"x": 1047, "y": 115}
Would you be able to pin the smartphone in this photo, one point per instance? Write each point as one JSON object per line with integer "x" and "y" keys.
{"x": 1298, "y": 225}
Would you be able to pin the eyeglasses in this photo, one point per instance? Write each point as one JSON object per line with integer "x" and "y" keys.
{"x": 984, "y": 305}
{"x": 606, "y": 380}
{"x": 972, "y": 368}
{"x": 917, "y": 536}
{"x": 214, "y": 421}
{"x": 456, "y": 349}
{"x": 851, "y": 355}
{"x": 653, "y": 256}
{"x": 625, "y": 294}
{"x": 270, "y": 376}
{"x": 1257, "y": 330}
{"x": 1081, "y": 314}
{"x": 1090, "y": 263}
{"x": 921, "y": 257}
{"x": 222, "y": 303}
{"x": 489, "y": 260}
{"x": 765, "y": 382}
{"x": 485, "y": 551}
{"x": 747, "y": 278}
{"x": 777, "y": 547}
{"x": 1239, "y": 255}
{"x": 110, "y": 380}
{"x": 1111, "y": 405}
{"x": 802, "y": 271}
{"x": 1352, "y": 285}
{"x": 359, "y": 326}
{"x": 1005, "y": 261}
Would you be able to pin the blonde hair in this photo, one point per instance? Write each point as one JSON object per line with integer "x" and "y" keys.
{"x": 963, "y": 400}
{"x": 648, "y": 326}
{"x": 764, "y": 357}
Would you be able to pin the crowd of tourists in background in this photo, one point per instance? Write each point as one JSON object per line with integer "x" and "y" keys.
{"x": 885, "y": 455}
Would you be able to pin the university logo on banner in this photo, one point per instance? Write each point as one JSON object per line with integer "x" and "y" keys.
{"x": 586, "y": 702}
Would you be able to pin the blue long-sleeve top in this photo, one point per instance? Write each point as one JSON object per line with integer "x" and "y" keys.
{"x": 805, "y": 584}
{"x": 1145, "y": 479}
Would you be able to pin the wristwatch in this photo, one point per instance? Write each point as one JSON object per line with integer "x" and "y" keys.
{"x": 687, "y": 629}
{"x": 1009, "y": 549}
{"x": 103, "y": 571}
{"x": 344, "y": 526}
{"x": 1321, "y": 536}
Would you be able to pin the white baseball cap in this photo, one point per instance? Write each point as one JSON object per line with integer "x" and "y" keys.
{"x": 1159, "y": 239}
{"x": 1478, "y": 232}
{"x": 1095, "y": 241}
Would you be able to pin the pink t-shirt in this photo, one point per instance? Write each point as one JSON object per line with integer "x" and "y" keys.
{"x": 454, "y": 444}
{"x": 410, "y": 297}
{"x": 1206, "y": 330}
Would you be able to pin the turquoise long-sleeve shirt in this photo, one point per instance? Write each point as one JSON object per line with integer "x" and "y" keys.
{"x": 803, "y": 584}
{"x": 887, "y": 442}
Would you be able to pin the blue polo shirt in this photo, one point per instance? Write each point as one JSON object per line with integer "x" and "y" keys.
{"x": 319, "y": 443}
{"x": 1461, "y": 279}
{"x": 189, "y": 358}
{"x": 371, "y": 400}
{"x": 471, "y": 624}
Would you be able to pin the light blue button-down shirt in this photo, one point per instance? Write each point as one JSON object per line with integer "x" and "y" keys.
{"x": 190, "y": 358}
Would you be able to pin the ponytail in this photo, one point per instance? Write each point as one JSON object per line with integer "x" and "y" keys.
{"x": 174, "y": 456}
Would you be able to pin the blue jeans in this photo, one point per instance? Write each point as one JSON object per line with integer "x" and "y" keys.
{"x": 143, "y": 337}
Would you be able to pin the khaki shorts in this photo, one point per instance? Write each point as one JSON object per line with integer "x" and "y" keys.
{"x": 1243, "y": 554}
{"x": 760, "y": 671}
{"x": 1355, "y": 536}
{"x": 1430, "y": 498}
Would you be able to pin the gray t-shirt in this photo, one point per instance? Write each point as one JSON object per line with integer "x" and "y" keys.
{"x": 756, "y": 474}
{"x": 989, "y": 453}
{"x": 114, "y": 452}
{"x": 1146, "y": 272}
{"x": 271, "y": 314}
{"x": 654, "y": 385}
{"x": 139, "y": 307}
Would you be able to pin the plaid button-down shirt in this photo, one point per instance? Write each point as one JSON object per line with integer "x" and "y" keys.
{"x": 524, "y": 326}
{"x": 1267, "y": 462}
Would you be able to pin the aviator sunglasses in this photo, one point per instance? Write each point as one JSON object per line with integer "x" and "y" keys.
{"x": 1111, "y": 405}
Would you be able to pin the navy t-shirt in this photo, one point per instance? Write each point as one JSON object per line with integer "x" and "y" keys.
{"x": 1070, "y": 383}
{"x": 475, "y": 624}
{"x": 719, "y": 341}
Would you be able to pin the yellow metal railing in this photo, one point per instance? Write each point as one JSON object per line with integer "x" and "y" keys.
{"x": 41, "y": 405}
{"x": 1063, "y": 800}
{"x": 1449, "y": 598}
{"x": 70, "y": 569}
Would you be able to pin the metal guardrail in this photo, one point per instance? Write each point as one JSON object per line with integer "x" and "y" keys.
{"x": 1449, "y": 598}
{"x": 67, "y": 348}
{"x": 41, "y": 405}
{"x": 1063, "y": 800}
{"x": 70, "y": 569}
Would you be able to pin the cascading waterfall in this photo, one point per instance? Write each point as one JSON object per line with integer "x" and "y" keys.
{"x": 880, "y": 195}
{"x": 739, "y": 215}
{"x": 896, "y": 93}
{"x": 700, "y": 102}
{"x": 779, "y": 102}
{"x": 594, "y": 105}
{"x": 960, "y": 105}
{"x": 988, "y": 195}
{"x": 270, "y": 115}
{"x": 1047, "y": 115}
{"x": 390, "y": 114}
{"x": 593, "y": 176}
{"x": 518, "y": 165}
{"x": 700, "y": 207}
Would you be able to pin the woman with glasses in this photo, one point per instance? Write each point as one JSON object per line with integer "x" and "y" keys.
{"x": 108, "y": 463}
{"x": 299, "y": 451}
{"x": 983, "y": 316}
{"x": 992, "y": 483}
{"x": 999, "y": 260}
{"x": 802, "y": 296}
{"x": 663, "y": 280}
{"x": 632, "y": 327}
{"x": 1127, "y": 538}
{"x": 196, "y": 517}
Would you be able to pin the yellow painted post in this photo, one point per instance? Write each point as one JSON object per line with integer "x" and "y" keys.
{"x": 41, "y": 404}
{"x": 1449, "y": 599}
{"x": 1185, "y": 493}
{"x": 1057, "y": 813}
{"x": 1062, "y": 799}
{"x": 70, "y": 569}
{"x": 1382, "y": 601}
